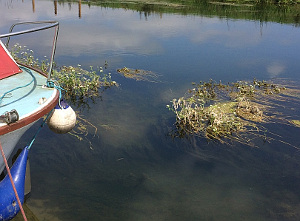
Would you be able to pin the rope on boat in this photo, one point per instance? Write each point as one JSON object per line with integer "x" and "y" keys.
{"x": 55, "y": 84}
{"x": 37, "y": 132}
{"x": 2, "y": 151}
{"x": 16, "y": 88}
{"x": 12, "y": 183}
{"x": 50, "y": 84}
{"x": 28, "y": 147}
{"x": 8, "y": 169}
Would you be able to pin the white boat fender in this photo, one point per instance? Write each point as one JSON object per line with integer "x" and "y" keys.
{"x": 63, "y": 118}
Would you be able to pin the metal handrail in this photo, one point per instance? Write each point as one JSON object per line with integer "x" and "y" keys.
{"x": 51, "y": 24}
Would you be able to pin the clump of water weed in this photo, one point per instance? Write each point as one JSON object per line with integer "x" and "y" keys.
{"x": 233, "y": 112}
{"x": 296, "y": 123}
{"x": 25, "y": 56}
{"x": 78, "y": 84}
{"x": 138, "y": 74}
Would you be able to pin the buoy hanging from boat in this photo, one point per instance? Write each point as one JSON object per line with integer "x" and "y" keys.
{"x": 62, "y": 119}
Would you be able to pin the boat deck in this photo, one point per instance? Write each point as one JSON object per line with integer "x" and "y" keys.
{"x": 28, "y": 93}
{"x": 24, "y": 92}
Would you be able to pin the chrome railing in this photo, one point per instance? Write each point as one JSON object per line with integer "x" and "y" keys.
{"x": 50, "y": 24}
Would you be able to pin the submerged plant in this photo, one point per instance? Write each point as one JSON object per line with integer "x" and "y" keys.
{"x": 229, "y": 112}
{"x": 82, "y": 130}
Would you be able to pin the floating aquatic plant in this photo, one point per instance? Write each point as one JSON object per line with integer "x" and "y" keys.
{"x": 24, "y": 55}
{"x": 233, "y": 112}
{"x": 78, "y": 85}
{"x": 295, "y": 122}
{"x": 138, "y": 74}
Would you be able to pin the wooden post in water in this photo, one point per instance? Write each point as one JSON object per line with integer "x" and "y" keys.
{"x": 55, "y": 7}
{"x": 33, "y": 6}
{"x": 79, "y": 8}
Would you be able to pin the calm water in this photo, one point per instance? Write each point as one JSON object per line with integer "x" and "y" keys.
{"x": 134, "y": 171}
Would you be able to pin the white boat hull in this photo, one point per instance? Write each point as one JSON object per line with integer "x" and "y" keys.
{"x": 9, "y": 142}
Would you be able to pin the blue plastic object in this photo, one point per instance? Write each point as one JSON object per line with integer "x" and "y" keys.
{"x": 62, "y": 104}
{"x": 9, "y": 206}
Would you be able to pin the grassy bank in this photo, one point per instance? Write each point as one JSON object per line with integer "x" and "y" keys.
{"x": 280, "y": 11}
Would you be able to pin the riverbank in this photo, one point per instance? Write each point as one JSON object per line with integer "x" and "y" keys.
{"x": 279, "y": 11}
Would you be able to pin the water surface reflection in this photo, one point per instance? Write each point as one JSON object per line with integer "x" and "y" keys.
{"x": 134, "y": 171}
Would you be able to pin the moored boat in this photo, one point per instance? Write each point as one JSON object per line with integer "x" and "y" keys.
{"x": 26, "y": 95}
